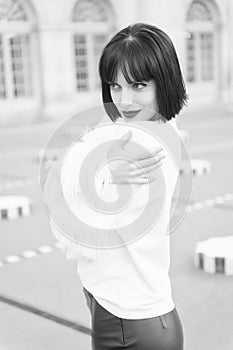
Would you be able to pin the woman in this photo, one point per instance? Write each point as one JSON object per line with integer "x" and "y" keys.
{"x": 128, "y": 290}
{"x": 141, "y": 81}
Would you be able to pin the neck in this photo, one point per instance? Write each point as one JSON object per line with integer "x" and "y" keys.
{"x": 157, "y": 116}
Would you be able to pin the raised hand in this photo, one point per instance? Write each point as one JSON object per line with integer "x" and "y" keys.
{"x": 136, "y": 166}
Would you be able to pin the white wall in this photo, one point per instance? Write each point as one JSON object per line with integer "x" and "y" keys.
{"x": 56, "y": 81}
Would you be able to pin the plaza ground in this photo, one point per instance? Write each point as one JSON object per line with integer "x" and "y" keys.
{"x": 48, "y": 282}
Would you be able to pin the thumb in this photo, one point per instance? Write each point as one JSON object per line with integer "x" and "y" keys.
{"x": 125, "y": 138}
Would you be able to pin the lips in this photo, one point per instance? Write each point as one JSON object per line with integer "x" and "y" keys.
{"x": 131, "y": 114}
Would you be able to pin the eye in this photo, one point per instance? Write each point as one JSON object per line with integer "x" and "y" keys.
{"x": 114, "y": 86}
{"x": 139, "y": 85}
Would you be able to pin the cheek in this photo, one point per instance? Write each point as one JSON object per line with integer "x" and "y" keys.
{"x": 149, "y": 101}
{"x": 115, "y": 96}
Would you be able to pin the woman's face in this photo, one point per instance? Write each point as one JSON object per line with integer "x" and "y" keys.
{"x": 135, "y": 101}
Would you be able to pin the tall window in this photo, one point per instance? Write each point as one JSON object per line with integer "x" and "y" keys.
{"x": 2, "y": 72}
{"x": 91, "y": 31}
{"x": 15, "y": 51}
{"x": 200, "y": 42}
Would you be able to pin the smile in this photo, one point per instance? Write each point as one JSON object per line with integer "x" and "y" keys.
{"x": 131, "y": 114}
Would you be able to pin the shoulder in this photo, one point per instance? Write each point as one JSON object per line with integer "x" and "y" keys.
{"x": 173, "y": 123}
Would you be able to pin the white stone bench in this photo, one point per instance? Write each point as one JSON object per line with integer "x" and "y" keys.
{"x": 196, "y": 167}
{"x": 215, "y": 255}
{"x": 12, "y": 207}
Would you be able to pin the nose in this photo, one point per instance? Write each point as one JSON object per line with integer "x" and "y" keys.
{"x": 126, "y": 97}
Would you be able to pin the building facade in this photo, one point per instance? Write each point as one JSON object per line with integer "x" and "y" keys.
{"x": 49, "y": 51}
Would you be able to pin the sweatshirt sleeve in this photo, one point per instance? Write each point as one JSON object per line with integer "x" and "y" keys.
{"x": 105, "y": 187}
{"x": 53, "y": 196}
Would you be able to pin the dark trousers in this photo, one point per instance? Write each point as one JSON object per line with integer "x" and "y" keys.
{"x": 111, "y": 332}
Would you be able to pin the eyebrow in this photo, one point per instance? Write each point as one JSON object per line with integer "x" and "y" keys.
{"x": 133, "y": 82}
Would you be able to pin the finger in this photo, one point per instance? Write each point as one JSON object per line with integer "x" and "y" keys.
{"x": 139, "y": 176}
{"x": 149, "y": 161}
{"x": 149, "y": 154}
{"x": 147, "y": 170}
{"x": 157, "y": 150}
{"x": 143, "y": 181}
{"x": 139, "y": 181}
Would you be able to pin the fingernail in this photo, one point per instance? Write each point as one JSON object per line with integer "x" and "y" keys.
{"x": 158, "y": 149}
{"x": 162, "y": 156}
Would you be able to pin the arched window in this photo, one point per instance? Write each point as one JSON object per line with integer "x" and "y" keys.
{"x": 199, "y": 11}
{"x": 90, "y": 10}
{"x": 200, "y": 41}
{"x": 91, "y": 31}
{"x": 15, "y": 50}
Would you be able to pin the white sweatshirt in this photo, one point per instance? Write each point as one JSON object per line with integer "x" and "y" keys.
{"x": 131, "y": 281}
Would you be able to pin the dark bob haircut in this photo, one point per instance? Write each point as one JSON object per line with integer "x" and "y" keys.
{"x": 143, "y": 52}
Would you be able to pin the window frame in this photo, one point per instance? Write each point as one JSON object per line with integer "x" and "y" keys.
{"x": 10, "y": 29}
{"x": 89, "y": 30}
{"x": 197, "y": 28}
